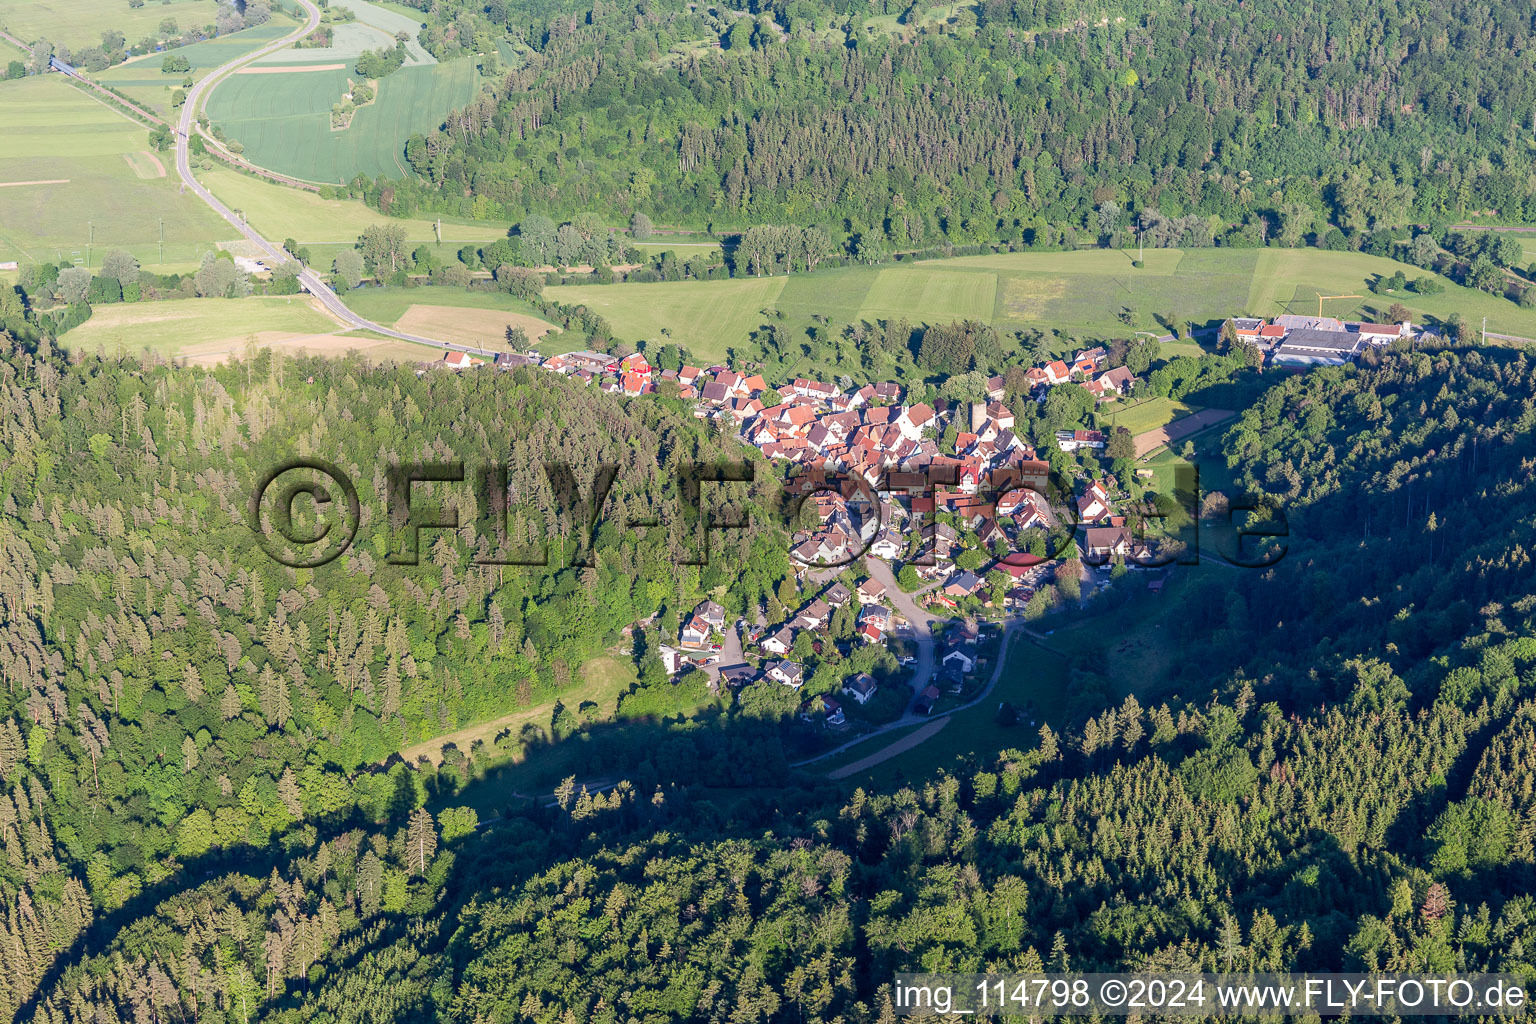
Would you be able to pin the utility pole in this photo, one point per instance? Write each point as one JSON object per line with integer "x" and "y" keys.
{"x": 1485, "y": 332}
{"x": 439, "y": 229}
{"x": 162, "y": 239}
{"x": 90, "y": 239}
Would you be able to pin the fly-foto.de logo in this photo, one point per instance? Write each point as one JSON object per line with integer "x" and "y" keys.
{"x": 306, "y": 513}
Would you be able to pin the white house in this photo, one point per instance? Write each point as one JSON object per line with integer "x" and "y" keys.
{"x": 780, "y": 642}
{"x": 695, "y": 632}
{"x": 789, "y": 673}
{"x": 861, "y": 687}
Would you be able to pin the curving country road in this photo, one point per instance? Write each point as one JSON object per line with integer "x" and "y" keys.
{"x": 311, "y": 281}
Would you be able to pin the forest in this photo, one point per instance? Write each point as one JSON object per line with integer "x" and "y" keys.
{"x": 200, "y": 819}
{"x": 1014, "y": 122}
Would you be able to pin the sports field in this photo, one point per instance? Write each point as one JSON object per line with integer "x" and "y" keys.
{"x": 280, "y": 212}
{"x": 80, "y": 23}
{"x": 206, "y": 331}
{"x": 283, "y": 119}
{"x": 104, "y": 183}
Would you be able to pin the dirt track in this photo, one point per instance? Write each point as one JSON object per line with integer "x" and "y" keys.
{"x": 901, "y": 746}
{"x": 285, "y": 69}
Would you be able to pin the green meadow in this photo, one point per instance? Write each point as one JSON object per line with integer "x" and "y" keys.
{"x": 77, "y": 178}
{"x": 1140, "y": 417}
{"x": 280, "y": 212}
{"x": 283, "y": 120}
{"x": 1071, "y": 296}
{"x": 80, "y": 23}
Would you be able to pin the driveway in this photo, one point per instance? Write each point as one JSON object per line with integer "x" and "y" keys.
{"x": 731, "y": 655}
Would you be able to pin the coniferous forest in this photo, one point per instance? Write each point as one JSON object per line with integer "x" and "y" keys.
{"x": 201, "y": 820}
{"x": 214, "y": 805}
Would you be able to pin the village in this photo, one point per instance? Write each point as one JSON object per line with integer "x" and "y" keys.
{"x": 919, "y": 550}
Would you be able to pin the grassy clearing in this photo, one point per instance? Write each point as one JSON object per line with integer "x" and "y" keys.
{"x": 1208, "y": 457}
{"x": 53, "y": 131}
{"x": 284, "y": 123}
{"x": 600, "y": 680}
{"x": 685, "y": 250}
{"x": 705, "y": 316}
{"x": 1139, "y": 417}
{"x": 280, "y": 212}
{"x": 536, "y": 775}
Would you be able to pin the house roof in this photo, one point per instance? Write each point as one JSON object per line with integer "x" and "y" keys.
{"x": 1105, "y": 537}
{"x": 863, "y": 683}
{"x": 1321, "y": 341}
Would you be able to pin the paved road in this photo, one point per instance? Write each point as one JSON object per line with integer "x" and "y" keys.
{"x": 922, "y": 671}
{"x": 308, "y": 279}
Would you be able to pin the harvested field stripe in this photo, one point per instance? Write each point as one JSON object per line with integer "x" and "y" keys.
{"x": 286, "y": 69}
{"x": 1179, "y": 429}
{"x": 42, "y": 181}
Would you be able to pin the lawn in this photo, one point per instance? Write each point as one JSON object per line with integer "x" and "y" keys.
{"x": 1139, "y": 417}
{"x": 280, "y": 212}
{"x": 97, "y": 200}
{"x": 707, "y": 317}
{"x": 282, "y": 117}
{"x": 80, "y": 23}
